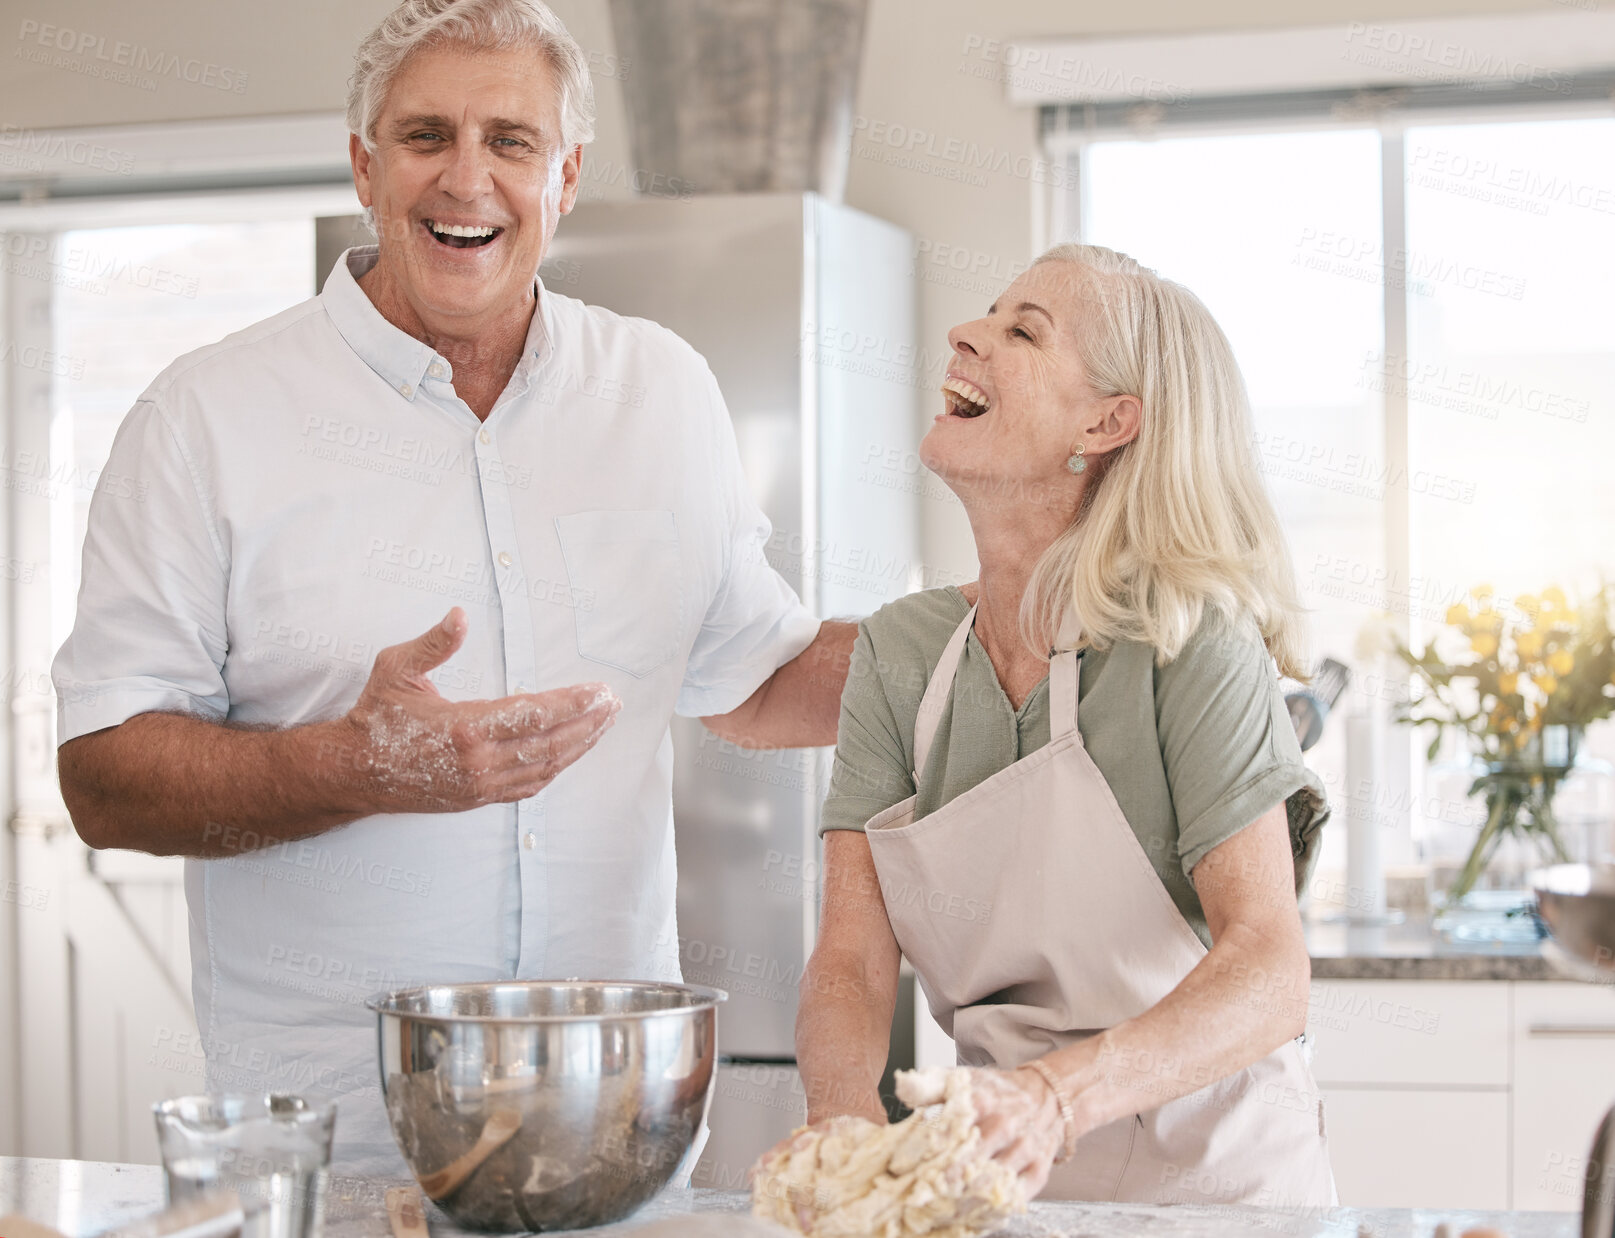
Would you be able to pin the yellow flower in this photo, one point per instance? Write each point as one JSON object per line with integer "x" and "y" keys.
{"x": 1528, "y": 603}
{"x": 1508, "y": 683}
{"x": 1458, "y": 615}
{"x": 1487, "y": 620}
{"x": 1481, "y": 591}
{"x": 1529, "y": 644}
{"x": 1546, "y": 682}
{"x": 1553, "y": 598}
{"x": 1484, "y": 643}
{"x": 1560, "y": 661}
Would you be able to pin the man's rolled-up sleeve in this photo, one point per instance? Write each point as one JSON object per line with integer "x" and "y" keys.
{"x": 149, "y": 633}
{"x": 755, "y": 622}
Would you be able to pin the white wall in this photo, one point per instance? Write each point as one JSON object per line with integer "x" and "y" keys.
{"x": 921, "y": 70}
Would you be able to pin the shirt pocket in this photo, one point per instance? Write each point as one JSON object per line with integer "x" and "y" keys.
{"x": 628, "y": 575}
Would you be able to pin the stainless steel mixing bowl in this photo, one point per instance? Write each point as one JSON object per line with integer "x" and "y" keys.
{"x": 604, "y": 1083}
{"x": 1577, "y": 903}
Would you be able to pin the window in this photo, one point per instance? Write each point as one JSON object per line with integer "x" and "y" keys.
{"x": 1419, "y": 310}
{"x": 1511, "y": 350}
{"x": 1237, "y": 220}
{"x": 148, "y": 296}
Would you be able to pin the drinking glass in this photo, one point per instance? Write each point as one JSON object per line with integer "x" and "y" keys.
{"x": 273, "y": 1151}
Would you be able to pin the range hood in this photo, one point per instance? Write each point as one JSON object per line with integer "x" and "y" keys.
{"x": 741, "y": 96}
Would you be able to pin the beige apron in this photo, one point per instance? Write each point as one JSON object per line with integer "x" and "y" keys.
{"x": 1033, "y": 918}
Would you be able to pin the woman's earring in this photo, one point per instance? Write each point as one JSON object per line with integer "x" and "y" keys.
{"x": 1076, "y": 463}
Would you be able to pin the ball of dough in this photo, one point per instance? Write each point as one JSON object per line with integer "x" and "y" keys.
{"x": 927, "y": 1174}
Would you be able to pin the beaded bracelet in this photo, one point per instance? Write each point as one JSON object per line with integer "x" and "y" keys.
{"x": 1067, "y": 1118}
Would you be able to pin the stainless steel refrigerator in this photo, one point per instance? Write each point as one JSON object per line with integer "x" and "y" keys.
{"x": 806, "y": 312}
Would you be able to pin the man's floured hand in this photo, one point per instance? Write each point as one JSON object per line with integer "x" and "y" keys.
{"x": 414, "y": 751}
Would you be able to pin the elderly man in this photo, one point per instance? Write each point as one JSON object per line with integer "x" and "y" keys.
{"x": 262, "y": 678}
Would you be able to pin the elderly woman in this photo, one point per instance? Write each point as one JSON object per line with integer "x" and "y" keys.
{"x": 1087, "y": 832}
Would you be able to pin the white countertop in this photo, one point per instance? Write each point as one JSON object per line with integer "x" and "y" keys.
{"x": 81, "y": 1198}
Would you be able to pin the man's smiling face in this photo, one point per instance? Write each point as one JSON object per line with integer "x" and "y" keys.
{"x": 467, "y": 181}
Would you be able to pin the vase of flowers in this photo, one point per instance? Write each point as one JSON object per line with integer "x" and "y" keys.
{"x": 1520, "y": 681}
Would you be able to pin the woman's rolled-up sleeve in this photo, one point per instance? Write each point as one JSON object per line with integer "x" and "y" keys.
{"x": 1228, "y": 747}
{"x": 149, "y": 633}
{"x": 871, "y": 770}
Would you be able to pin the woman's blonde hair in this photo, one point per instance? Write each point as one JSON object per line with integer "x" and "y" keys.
{"x": 1179, "y": 518}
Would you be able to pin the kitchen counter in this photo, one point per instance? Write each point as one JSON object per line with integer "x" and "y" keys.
{"x": 1413, "y": 950}
{"x": 81, "y": 1198}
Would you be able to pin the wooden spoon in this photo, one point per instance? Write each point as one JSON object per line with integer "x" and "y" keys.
{"x": 497, "y": 1133}
{"x": 14, "y": 1226}
{"x": 406, "y": 1212}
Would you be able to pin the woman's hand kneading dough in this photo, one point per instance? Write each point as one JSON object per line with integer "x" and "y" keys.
{"x": 1020, "y": 1122}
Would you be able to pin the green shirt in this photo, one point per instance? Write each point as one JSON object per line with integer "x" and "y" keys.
{"x": 1193, "y": 751}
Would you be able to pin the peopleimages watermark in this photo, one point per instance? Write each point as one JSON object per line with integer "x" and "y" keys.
{"x": 952, "y": 158}
{"x": 1076, "y": 76}
{"x": 1377, "y": 587}
{"x": 852, "y": 350}
{"x": 448, "y": 573}
{"x": 33, "y": 472}
{"x": 599, "y": 175}
{"x": 737, "y": 970}
{"x": 44, "y": 360}
{"x": 250, "y": 1066}
{"x": 311, "y": 863}
{"x": 327, "y": 977}
{"x": 33, "y": 898}
{"x": 1442, "y": 60}
{"x": 30, "y": 256}
{"x": 377, "y": 449}
{"x": 1501, "y": 183}
{"x": 958, "y": 266}
{"x": 1352, "y": 473}
{"x": 1463, "y": 389}
{"x": 129, "y": 64}
{"x": 1418, "y": 271}
{"x": 26, "y": 150}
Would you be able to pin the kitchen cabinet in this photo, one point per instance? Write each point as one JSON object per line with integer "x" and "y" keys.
{"x": 1410, "y": 1034}
{"x": 1564, "y": 1081}
{"x": 1481, "y": 1094}
{"x": 1418, "y": 1148}
{"x": 1449, "y": 1093}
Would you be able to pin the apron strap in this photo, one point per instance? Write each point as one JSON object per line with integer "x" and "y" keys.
{"x": 936, "y": 693}
{"x": 1064, "y": 670}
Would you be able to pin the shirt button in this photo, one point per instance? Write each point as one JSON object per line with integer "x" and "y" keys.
{"x": 482, "y": 436}
{"x": 404, "y": 389}
{"x": 435, "y": 370}
{"x": 504, "y": 558}
{"x": 529, "y": 840}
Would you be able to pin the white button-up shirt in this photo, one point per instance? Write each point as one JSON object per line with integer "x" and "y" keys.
{"x": 311, "y": 490}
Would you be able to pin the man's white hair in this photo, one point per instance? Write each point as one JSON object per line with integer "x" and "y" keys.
{"x": 478, "y": 25}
